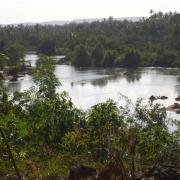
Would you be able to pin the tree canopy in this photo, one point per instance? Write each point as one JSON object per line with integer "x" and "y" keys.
{"x": 151, "y": 38}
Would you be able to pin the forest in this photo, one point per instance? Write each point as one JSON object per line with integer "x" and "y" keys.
{"x": 153, "y": 41}
{"x": 43, "y": 134}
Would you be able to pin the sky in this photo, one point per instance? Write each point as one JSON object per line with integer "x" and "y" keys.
{"x": 19, "y": 11}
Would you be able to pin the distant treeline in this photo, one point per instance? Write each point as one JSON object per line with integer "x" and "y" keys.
{"x": 153, "y": 41}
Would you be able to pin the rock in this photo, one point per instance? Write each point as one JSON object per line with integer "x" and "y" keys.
{"x": 175, "y": 108}
{"x": 19, "y": 75}
{"x": 163, "y": 97}
{"x": 178, "y": 98}
{"x": 178, "y": 111}
{"x": 14, "y": 78}
{"x": 126, "y": 73}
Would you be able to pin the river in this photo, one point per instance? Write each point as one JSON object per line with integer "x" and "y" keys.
{"x": 89, "y": 86}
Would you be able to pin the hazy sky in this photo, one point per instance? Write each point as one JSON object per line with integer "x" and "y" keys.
{"x": 16, "y": 11}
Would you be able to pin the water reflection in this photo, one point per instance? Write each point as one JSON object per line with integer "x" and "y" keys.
{"x": 31, "y": 58}
{"x": 178, "y": 90}
{"x": 89, "y": 86}
{"x": 178, "y": 78}
{"x": 13, "y": 87}
{"x": 169, "y": 71}
{"x": 100, "y": 82}
{"x": 132, "y": 75}
{"x": 104, "y": 76}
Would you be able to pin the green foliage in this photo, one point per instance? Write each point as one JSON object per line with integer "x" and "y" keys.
{"x": 110, "y": 57}
{"x": 150, "y": 115}
{"x": 45, "y": 79}
{"x": 48, "y": 47}
{"x": 2, "y": 46}
{"x": 86, "y": 44}
{"x": 131, "y": 59}
{"x": 81, "y": 58}
{"x": 3, "y": 60}
{"x": 51, "y": 115}
{"x": 98, "y": 55}
{"x": 15, "y": 53}
{"x": 167, "y": 58}
{"x": 44, "y": 125}
{"x": 154, "y": 130}
{"x": 104, "y": 122}
{"x": 50, "y": 119}
{"x": 103, "y": 113}
{"x": 47, "y": 128}
{"x": 75, "y": 143}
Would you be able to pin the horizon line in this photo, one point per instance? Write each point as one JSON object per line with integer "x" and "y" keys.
{"x": 72, "y": 20}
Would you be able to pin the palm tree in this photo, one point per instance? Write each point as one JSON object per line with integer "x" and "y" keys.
{"x": 151, "y": 12}
{"x": 160, "y": 14}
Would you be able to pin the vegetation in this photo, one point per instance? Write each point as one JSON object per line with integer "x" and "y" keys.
{"x": 44, "y": 134}
{"x": 153, "y": 41}
{"x": 45, "y": 130}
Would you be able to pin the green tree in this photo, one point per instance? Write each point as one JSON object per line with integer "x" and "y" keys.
{"x": 45, "y": 78}
{"x": 176, "y": 21}
{"x": 15, "y": 53}
{"x": 131, "y": 59}
{"x": 110, "y": 57}
{"x": 104, "y": 122}
{"x": 3, "y": 60}
{"x": 2, "y": 46}
{"x": 51, "y": 114}
{"x": 98, "y": 55}
{"x": 81, "y": 58}
{"x": 167, "y": 59}
{"x": 48, "y": 47}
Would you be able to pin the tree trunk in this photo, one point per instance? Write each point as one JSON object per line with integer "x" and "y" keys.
{"x": 10, "y": 155}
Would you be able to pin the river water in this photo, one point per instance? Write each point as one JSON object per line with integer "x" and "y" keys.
{"x": 89, "y": 86}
